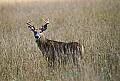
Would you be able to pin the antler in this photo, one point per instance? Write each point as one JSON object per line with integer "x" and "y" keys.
{"x": 30, "y": 26}
{"x": 29, "y": 23}
{"x": 45, "y": 20}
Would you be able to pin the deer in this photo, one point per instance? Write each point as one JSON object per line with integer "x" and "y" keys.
{"x": 56, "y": 52}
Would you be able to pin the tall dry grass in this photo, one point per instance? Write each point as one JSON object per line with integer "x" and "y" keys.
{"x": 93, "y": 23}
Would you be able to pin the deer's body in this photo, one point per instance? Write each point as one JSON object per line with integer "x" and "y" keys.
{"x": 56, "y": 52}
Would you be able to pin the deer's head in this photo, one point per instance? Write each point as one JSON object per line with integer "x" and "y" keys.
{"x": 38, "y": 32}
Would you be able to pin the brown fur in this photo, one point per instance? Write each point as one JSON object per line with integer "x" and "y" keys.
{"x": 57, "y": 53}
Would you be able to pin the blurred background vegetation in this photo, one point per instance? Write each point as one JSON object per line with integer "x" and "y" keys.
{"x": 93, "y": 23}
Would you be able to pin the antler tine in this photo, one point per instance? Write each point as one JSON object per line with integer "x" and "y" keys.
{"x": 45, "y": 20}
{"x": 29, "y": 23}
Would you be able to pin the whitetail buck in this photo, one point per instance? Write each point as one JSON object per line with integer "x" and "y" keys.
{"x": 55, "y": 52}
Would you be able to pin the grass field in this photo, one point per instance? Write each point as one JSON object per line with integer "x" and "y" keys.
{"x": 93, "y": 23}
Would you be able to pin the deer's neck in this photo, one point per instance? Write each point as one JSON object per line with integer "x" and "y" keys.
{"x": 43, "y": 44}
{"x": 41, "y": 40}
